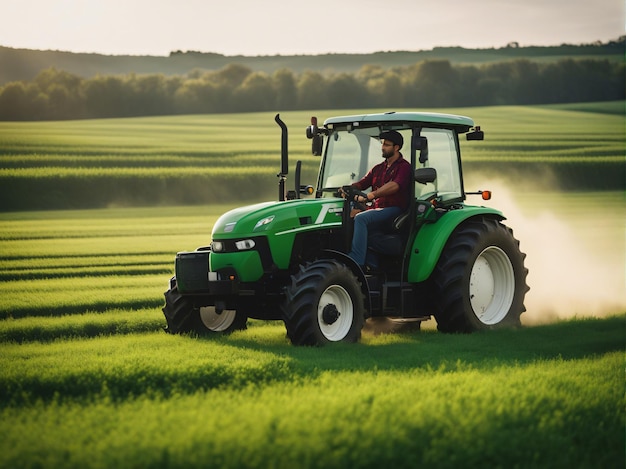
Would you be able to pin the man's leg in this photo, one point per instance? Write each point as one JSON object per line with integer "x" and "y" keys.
{"x": 363, "y": 222}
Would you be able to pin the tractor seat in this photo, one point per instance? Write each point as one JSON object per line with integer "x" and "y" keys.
{"x": 390, "y": 242}
{"x": 399, "y": 222}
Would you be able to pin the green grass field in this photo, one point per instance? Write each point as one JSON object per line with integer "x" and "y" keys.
{"x": 88, "y": 378}
{"x": 182, "y": 160}
{"x": 542, "y": 397}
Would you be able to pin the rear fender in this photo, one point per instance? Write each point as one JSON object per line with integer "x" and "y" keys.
{"x": 432, "y": 237}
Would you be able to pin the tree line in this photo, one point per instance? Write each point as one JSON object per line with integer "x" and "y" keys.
{"x": 57, "y": 95}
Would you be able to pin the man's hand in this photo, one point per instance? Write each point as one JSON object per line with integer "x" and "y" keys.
{"x": 369, "y": 197}
{"x": 360, "y": 200}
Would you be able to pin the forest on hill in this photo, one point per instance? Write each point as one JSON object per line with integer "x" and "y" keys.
{"x": 443, "y": 78}
{"x": 26, "y": 64}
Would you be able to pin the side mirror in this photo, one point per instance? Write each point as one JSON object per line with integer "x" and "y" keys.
{"x": 425, "y": 175}
{"x": 313, "y": 133}
{"x": 421, "y": 144}
{"x": 476, "y": 134}
{"x": 423, "y": 150}
{"x": 316, "y": 145}
{"x": 311, "y": 130}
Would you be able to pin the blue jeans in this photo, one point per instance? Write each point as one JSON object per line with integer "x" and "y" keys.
{"x": 376, "y": 219}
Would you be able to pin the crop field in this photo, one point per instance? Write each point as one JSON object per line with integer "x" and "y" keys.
{"x": 88, "y": 378}
{"x": 208, "y": 159}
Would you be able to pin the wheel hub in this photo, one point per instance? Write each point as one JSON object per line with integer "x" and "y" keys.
{"x": 335, "y": 313}
{"x": 217, "y": 319}
{"x": 330, "y": 314}
{"x": 492, "y": 285}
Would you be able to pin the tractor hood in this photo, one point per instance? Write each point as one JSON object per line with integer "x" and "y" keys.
{"x": 279, "y": 218}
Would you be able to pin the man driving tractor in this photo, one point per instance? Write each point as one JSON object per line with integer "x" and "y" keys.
{"x": 390, "y": 182}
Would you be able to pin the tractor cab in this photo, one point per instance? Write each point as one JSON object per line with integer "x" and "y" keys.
{"x": 353, "y": 147}
{"x": 431, "y": 146}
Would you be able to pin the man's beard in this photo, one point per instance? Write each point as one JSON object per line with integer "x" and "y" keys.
{"x": 387, "y": 155}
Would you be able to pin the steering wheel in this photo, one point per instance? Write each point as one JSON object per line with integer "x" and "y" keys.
{"x": 351, "y": 193}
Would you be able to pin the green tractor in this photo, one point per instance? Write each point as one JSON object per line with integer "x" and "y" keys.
{"x": 287, "y": 259}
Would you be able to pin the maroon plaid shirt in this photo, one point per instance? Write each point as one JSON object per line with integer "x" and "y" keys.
{"x": 379, "y": 175}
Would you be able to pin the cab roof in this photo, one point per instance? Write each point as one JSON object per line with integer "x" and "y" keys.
{"x": 460, "y": 123}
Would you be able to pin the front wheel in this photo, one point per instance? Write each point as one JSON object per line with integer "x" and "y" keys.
{"x": 323, "y": 304}
{"x": 183, "y": 316}
{"x": 480, "y": 279}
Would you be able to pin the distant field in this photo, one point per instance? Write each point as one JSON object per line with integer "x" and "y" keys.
{"x": 221, "y": 158}
{"x": 89, "y": 379}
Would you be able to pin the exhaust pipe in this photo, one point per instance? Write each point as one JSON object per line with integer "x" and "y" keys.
{"x": 284, "y": 159}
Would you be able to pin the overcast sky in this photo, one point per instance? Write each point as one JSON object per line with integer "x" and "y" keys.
{"x": 286, "y": 27}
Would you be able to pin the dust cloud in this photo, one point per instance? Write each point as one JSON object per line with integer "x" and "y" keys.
{"x": 575, "y": 252}
{"x": 575, "y": 246}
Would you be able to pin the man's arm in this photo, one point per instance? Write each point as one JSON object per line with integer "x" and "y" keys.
{"x": 365, "y": 182}
{"x": 386, "y": 189}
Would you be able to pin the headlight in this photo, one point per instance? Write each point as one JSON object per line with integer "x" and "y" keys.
{"x": 245, "y": 244}
{"x": 264, "y": 221}
{"x": 217, "y": 246}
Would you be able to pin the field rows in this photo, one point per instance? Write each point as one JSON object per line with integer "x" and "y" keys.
{"x": 155, "y": 400}
{"x": 103, "y": 260}
{"x": 157, "y": 364}
{"x": 81, "y": 160}
{"x": 151, "y": 172}
{"x": 182, "y": 160}
{"x": 24, "y": 165}
{"x": 134, "y": 269}
{"x": 89, "y": 379}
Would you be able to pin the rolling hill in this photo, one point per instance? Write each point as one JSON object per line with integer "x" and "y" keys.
{"x": 25, "y": 64}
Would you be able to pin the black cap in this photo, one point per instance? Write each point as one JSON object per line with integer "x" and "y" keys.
{"x": 393, "y": 136}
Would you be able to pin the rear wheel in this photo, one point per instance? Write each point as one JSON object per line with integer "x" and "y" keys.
{"x": 480, "y": 279}
{"x": 323, "y": 304}
{"x": 183, "y": 316}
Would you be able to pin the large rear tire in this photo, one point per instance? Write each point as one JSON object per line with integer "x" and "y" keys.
{"x": 183, "y": 316}
{"x": 323, "y": 304}
{"x": 480, "y": 279}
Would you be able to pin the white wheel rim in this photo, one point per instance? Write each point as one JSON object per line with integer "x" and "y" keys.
{"x": 338, "y": 296}
{"x": 216, "y": 322}
{"x": 492, "y": 286}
